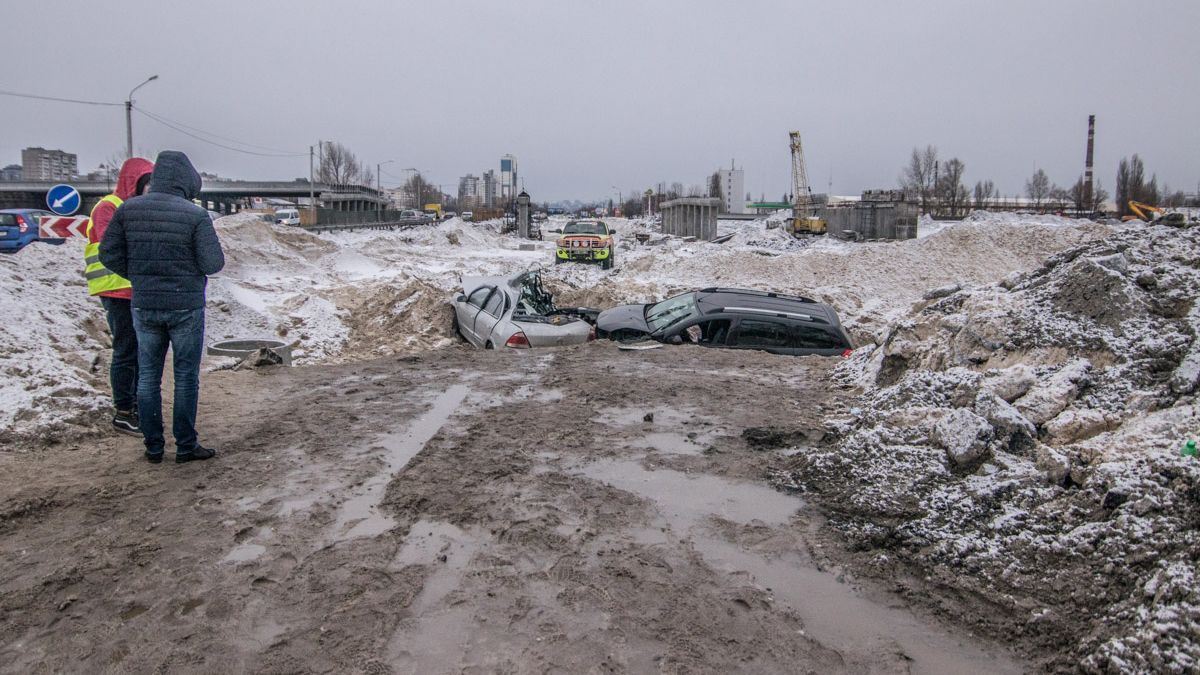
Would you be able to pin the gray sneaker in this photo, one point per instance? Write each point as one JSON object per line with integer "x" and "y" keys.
{"x": 198, "y": 453}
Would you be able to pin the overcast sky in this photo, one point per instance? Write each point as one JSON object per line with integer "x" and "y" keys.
{"x": 591, "y": 95}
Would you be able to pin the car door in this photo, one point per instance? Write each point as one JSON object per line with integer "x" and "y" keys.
{"x": 468, "y": 310}
{"x": 486, "y": 320}
{"x": 767, "y": 333}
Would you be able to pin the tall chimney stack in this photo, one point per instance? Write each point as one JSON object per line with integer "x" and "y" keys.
{"x": 1087, "y": 169}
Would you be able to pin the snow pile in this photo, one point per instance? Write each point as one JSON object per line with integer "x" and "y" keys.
{"x": 54, "y": 339}
{"x": 1022, "y": 441}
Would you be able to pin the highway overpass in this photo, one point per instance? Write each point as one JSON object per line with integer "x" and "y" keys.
{"x": 219, "y": 196}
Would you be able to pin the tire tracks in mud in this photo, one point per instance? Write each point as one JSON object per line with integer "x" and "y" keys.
{"x": 461, "y": 510}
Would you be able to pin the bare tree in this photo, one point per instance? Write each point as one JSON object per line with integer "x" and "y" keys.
{"x": 714, "y": 185}
{"x": 1037, "y": 188}
{"x": 951, "y": 193}
{"x": 921, "y": 174}
{"x": 1131, "y": 183}
{"x": 985, "y": 191}
{"x": 421, "y": 190}
{"x": 340, "y": 166}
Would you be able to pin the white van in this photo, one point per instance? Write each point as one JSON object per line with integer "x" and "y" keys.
{"x": 287, "y": 216}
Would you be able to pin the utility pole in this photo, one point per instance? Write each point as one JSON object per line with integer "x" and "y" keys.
{"x": 129, "y": 117}
{"x": 379, "y": 187}
{"x": 312, "y": 190}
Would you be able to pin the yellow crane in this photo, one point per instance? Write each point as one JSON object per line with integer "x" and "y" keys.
{"x": 804, "y": 217}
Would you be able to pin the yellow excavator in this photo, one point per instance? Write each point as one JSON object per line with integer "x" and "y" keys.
{"x": 1154, "y": 214}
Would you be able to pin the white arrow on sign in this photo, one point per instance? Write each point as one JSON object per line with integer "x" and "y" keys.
{"x": 58, "y": 203}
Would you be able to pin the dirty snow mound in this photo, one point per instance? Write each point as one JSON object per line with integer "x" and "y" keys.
{"x": 55, "y": 340}
{"x": 1021, "y": 441}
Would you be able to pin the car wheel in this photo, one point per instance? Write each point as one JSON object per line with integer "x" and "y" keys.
{"x": 557, "y": 260}
{"x": 489, "y": 345}
{"x": 607, "y": 263}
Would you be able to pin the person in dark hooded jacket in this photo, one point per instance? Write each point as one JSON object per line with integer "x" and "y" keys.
{"x": 167, "y": 246}
{"x": 115, "y": 294}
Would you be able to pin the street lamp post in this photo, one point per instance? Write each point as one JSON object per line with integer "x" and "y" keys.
{"x": 379, "y": 186}
{"x": 129, "y": 117}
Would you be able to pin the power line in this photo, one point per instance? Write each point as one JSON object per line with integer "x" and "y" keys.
{"x": 209, "y": 133}
{"x": 55, "y": 98}
{"x": 185, "y": 132}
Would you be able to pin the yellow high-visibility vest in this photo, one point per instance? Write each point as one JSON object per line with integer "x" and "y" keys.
{"x": 99, "y": 278}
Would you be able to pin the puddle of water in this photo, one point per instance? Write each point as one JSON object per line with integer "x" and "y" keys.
{"x": 244, "y": 552}
{"x": 837, "y": 616}
{"x": 833, "y": 612}
{"x": 675, "y": 444}
{"x": 359, "y": 516}
{"x": 686, "y": 499}
{"x": 426, "y": 544}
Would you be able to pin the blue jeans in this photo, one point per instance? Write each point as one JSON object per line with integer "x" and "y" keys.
{"x": 123, "y": 372}
{"x": 183, "y": 330}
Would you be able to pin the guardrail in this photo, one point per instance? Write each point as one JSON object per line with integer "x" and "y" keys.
{"x": 382, "y": 225}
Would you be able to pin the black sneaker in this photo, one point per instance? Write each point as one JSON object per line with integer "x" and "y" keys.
{"x": 127, "y": 423}
{"x": 154, "y": 457}
{"x": 200, "y": 452}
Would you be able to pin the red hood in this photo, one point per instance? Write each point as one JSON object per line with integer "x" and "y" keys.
{"x": 132, "y": 170}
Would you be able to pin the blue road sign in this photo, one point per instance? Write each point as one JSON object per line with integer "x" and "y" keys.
{"x": 63, "y": 199}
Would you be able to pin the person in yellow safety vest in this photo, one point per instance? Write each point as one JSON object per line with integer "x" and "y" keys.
{"x": 115, "y": 294}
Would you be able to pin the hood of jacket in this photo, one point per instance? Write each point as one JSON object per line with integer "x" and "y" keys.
{"x": 131, "y": 171}
{"x": 175, "y": 175}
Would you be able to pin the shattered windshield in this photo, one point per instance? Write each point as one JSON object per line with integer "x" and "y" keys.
{"x": 534, "y": 298}
{"x": 670, "y": 311}
{"x": 584, "y": 227}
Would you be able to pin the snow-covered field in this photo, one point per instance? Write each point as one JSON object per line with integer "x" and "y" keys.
{"x": 356, "y": 295}
{"x": 1025, "y": 385}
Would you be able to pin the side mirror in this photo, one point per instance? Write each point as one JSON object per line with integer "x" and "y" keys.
{"x": 558, "y": 231}
{"x": 461, "y": 298}
{"x": 676, "y": 340}
{"x": 612, "y": 231}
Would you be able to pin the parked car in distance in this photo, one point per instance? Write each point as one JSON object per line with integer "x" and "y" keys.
{"x": 287, "y": 216}
{"x": 517, "y": 312}
{"x": 468, "y": 216}
{"x": 586, "y": 241}
{"x": 19, "y": 228}
{"x": 448, "y": 215}
{"x": 732, "y": 318}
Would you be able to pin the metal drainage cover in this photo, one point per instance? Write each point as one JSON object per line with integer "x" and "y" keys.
{"x": 240, "y": 349}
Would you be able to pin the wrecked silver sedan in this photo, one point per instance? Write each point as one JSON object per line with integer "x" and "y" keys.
{"x": 518, "y": 312}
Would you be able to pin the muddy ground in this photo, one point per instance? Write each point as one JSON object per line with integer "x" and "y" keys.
{"x": 575, "y": 510}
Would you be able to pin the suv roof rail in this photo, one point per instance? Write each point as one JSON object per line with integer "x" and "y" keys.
{"x": 764, "y": 294}
{"x": 775, "y": 313}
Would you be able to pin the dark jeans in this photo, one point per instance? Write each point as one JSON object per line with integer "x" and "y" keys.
{"x": 123, "y": 372}
{"x": 183, "y": 330}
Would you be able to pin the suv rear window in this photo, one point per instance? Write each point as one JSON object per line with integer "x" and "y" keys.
{"x": 8, "y": 219}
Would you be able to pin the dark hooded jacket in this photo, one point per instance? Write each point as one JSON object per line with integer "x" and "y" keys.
{"x": 162, "y": 242}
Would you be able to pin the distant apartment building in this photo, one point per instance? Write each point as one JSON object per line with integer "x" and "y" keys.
{"x": 508, "y": 179}
{"x": 43, "y": 164}
{"x": 489, "y": 188}
{"x": 733, "y": 190}
{"x": 11, "y": 172}
{"x": 470, "y": 192}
